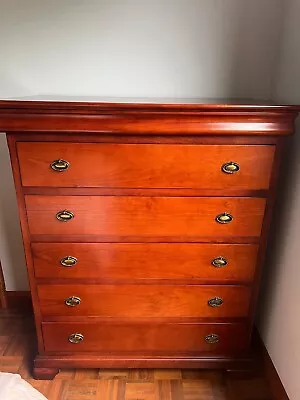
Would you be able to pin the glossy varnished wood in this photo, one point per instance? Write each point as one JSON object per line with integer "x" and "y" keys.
{"x": 145, "y": 165}
{"x": 145, "y": 261}
{"x": 144, "y": 300}
{"x": 147, "y": 118}
{"x": 139, "y": 209}
{"x": 145, "y": 217}
{"x": 152, "y": 339}
{"x": 17, "y": 342}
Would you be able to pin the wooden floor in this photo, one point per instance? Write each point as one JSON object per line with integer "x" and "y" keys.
{"x": 17, "y": 340}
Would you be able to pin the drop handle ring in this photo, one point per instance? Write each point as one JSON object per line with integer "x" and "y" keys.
{"x": 65, "y": 215}
{"x": 68, "y": 261}
{"x": 60, "y": 165}
{"x": 219, "y": 262}
{"x": 230, "y": 167}
{"x": 224, "y": 218}
{"x": 212, "y": 338}
{"x": 73, "y": 301}
{"x": 76, "y": 338}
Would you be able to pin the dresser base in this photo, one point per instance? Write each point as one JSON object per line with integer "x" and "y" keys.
{"x": 46, "y": 367}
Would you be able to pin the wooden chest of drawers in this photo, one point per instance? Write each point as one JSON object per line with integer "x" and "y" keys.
{"x": 145, "y": 228}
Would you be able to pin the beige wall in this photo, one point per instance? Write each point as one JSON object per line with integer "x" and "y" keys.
{"x": 179, "y": 48}
{"x": 279, "y": 320}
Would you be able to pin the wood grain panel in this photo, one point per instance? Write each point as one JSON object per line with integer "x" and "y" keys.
{"x": 145, "y": 261}
{"x": 152, "y": 338}
{"x": 145, "y": 216}
{"x": 144, "y": 300}
{"x": 145, "y": 165}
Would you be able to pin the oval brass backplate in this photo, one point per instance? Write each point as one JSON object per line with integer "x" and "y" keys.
{"x": 215, "y": 302}
{"x": 73, "y": 301}
{"x": 76, "y": 338}
{"x": 219, "y": 262}
{"x": 60, "y": 165}
{"x": 230, "y": 167}
{"x": 224, "y": 218}
{"x": 68, "y": 261}
{"x": 212, "y": 338}
{"x": 65, "y": 215}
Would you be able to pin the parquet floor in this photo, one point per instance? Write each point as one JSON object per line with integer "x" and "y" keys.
{"x": 17, "y": 340}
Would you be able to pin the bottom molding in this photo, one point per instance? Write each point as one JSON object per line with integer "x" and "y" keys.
{"x": 46, "y": 367}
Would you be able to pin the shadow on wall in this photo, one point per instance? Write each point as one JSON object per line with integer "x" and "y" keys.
{"x": 284, "y": 246}
{"x": 11, "y": 248}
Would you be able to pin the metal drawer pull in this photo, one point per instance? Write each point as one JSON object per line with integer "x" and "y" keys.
{"x": 73, "y": 301}
{"x": 224, "y": 218}
{"x": 65, "y": 215}
{"x": 60, "y": 165}
{"x": 68, "y": 261}
{"x": 215, "y": 302}
{"x": 212, "y": 338}
{"x": 76, "y": 338}
{"x": 219, "y": 262}
{"x": 230, "y": 167}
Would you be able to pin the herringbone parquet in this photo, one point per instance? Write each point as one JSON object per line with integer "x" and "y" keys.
{"x": 17, "y": 340}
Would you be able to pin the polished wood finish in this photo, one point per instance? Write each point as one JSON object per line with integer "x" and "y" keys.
{"x": 144, "y": 300}
{"x": 145, "y": 195}
{"x": 145, "y": 217}
{"x": 155, "y": 339}
{"x": 145, "y": 261}
{"x": 17, "y": 343}
{"x": 147, "y": 118}
{"x": 145, "y": 165}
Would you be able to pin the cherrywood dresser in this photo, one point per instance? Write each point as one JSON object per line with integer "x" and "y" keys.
{"x": 145, "y": 227}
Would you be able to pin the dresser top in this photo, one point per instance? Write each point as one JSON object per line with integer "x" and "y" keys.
{"x": 98, "y": 104}
{"x": 146, "y": 116}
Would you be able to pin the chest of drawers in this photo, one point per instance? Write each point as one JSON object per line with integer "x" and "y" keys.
{"x": 145, "y": 228}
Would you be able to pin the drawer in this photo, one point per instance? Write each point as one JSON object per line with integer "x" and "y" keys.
{"x": 145, "y": 339}
{"x": 145, "y": 165}
{"x": 133, "y": 218}
{"x": 209, "y": 262}
{"x": 144, "y": 300}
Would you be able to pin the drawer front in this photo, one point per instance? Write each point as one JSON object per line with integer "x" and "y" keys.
{"x": 145, "y": 165}
{"x": 143, "y": 300}
{"x": 234, "y": 262}
{"x": 144, "y": 339}
{"x": 130, "y": 217}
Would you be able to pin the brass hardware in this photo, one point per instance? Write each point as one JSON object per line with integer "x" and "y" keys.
{"x": 230, "y": 167}
{"x": 215, "y": 302}
{"x": 60, "y": 165}
{"x": 224, "y": 218}
{"x": 219, "y": 262}
{"x": 76, "y": 338}
{"x": 73, "y": 301}
{"x": 212, "y": 338}
{"x": 65, "y": 215}
{"x": 68, "y": 261}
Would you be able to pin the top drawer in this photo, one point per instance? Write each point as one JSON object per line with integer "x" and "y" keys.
{"x": 145, "y": 165}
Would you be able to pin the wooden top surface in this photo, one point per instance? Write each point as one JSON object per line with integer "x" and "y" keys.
{"x": 146, "y": 116}
{"x": 78, "y": 104}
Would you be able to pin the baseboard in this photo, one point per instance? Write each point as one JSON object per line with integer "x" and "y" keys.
{"x": 275, "y": 385}
{"x": 18, "y": 301}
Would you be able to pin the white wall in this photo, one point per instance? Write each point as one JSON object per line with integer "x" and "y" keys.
{"x": 169, "y": 48}
{"x": 279, "y": 318}
{"x": 187, "y": 48}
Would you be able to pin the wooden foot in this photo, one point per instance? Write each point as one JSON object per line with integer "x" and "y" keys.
{"x": 45, "y": 373}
